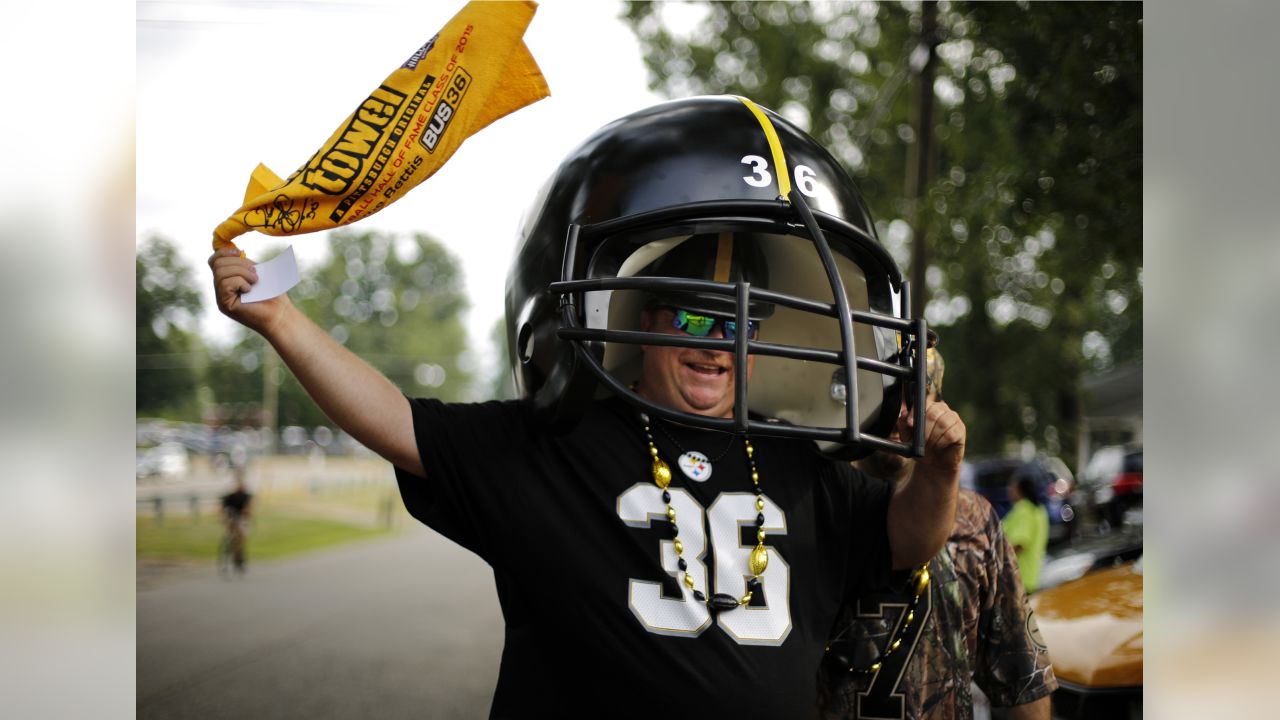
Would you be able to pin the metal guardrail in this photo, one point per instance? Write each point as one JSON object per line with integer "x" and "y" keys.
{"x": 193, "y": 503}
{"x": 200, "y": 492}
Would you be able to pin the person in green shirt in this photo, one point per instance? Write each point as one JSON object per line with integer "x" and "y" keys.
{"x": 1027, "y": 527}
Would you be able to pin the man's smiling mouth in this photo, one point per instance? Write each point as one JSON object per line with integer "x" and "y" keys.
{"x": 709, "y": 369}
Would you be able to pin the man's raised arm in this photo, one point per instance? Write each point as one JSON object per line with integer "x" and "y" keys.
{"x": 923, "y": 508}
{"x": 361, "y": 400}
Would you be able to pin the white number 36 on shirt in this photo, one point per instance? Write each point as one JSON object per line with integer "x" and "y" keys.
{"x": 770, "y": 624}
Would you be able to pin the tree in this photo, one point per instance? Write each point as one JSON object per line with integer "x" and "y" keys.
{"x": 1032, "y": 212}
{"x": 501, "y": 384}
{"x": 167, "y": 346}
{"x": 395, "y": 301}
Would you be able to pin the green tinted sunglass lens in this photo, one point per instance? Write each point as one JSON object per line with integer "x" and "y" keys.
{"x": 696, "y": 325}
{"x": 700, "y": 325}
{"x": 731, "y": 329}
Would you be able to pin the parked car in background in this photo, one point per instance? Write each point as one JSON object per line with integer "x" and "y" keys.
{"x": 166, "y": 461}
{"x": 1093, "y": 628}
{"x": 1088, "y": 554}
{"x": 991, "y": 477}
{"x": 1111, "y": 485}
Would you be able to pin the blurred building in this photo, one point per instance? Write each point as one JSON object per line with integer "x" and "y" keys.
{"x": 1111, "y": 410}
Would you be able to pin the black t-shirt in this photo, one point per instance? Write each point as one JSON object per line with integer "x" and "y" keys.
{"x": 597, "y": 623}
{"x": 236, "y": 502}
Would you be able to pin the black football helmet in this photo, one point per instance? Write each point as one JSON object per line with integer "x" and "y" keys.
{"x": 636, "y": 215}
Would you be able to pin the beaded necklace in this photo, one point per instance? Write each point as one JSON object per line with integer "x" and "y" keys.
{"x": 838, "y": 653}
{"x": 759, "y": 558}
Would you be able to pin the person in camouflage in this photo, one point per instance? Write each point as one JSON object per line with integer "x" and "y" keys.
{"x": 970, "y": 623}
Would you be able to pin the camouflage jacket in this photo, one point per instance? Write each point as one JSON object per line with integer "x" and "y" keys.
{"x": 973, "y": 622}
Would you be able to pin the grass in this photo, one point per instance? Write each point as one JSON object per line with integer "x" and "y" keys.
{"x": 297, "y": 507}
{"x": 272, "y": 535}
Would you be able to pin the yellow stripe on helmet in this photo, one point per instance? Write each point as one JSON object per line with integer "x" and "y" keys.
{"x": 775, "y": 148}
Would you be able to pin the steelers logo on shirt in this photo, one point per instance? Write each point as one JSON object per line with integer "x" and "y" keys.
{"x": 695, "y": 466}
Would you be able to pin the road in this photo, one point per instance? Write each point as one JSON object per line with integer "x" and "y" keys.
{"x": 399, "y": 627}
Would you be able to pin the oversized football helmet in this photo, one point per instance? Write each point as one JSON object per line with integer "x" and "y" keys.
{"x": 719, "y": 205}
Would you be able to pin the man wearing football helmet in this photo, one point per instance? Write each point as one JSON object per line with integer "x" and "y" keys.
{"x": 703, "y": 330}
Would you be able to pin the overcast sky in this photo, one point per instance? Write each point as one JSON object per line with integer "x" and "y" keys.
{"x": 223, "y": 85}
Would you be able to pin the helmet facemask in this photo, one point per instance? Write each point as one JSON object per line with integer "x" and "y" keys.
{"x": 800, "y": 386}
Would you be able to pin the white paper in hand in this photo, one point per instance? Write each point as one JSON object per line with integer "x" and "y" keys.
{"x": 275, "y": 277}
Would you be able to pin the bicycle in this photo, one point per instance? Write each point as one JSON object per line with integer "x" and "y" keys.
{"x": 231, "y": 549}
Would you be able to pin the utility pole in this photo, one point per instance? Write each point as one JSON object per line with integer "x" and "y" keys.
{"x": 920, "y": 166}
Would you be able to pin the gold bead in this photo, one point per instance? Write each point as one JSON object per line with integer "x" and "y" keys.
{"x": 688, "y": 581}
{"x": 875, "y": 667}
{"x": 922, "y": 580}
{"x": 679, "y": 548}
{"x": 760, "y": 504}
{"x": 895, "y": 645}
{"x": 671, "y": 513}
{"x": 653, "y": 450}
{"x": 755, "y": 476}
{"x": 910, "y": 616}
{"x": 747, "y": 599}
{"x": 750, "y": 450}
{"x": 661, "y": 473}
{"x": 760, "y": 535}
{"x": 758, "y": 561}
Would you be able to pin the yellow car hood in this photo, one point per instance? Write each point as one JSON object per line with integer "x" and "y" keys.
{"x": 1093, "y": 627}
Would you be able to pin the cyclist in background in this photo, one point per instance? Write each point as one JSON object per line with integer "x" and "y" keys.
{"x": 235, "y": 516}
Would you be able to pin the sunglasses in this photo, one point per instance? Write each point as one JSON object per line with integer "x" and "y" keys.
{"x": 700, "y": 325}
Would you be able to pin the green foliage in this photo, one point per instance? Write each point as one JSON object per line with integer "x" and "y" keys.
{"x": 168, "y": 349}
{"x": 1031, "y": 213}
{"x": 501, "y": 384}
{"x": 397, "y": 302}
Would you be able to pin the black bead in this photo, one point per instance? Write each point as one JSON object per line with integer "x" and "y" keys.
{"x": 675, "y": 530}
{"x": 720, "y": 602}
{"x": 839, "y": 661}
{"x": 753, "y": 584}
{"x": 697, "y": 595}
{"x": 683, "y": 565}
{"x": 759, "y": 519}
{"x": 666, "y": 497}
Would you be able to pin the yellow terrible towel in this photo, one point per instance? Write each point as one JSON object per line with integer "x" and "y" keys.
{"x": 474, "y": 71}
